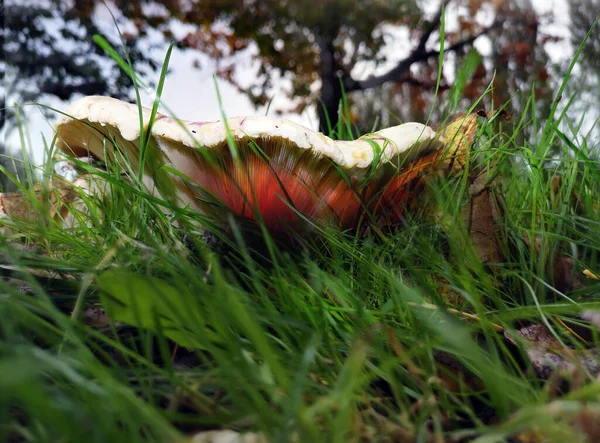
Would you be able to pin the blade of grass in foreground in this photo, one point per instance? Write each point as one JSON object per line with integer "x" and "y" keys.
{"x": 349, "y": 338}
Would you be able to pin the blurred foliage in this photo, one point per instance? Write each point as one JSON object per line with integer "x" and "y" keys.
{"x": 516, "y": 66}
{"x": 583, "y": 13}
{"x": 299, "y": 42}
{"x": 320, "y": 50}
{"x": 48, "y": 50}
{"x": 13, "y": 169}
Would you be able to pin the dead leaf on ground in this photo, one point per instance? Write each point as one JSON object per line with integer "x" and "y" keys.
{"x": 565, "y": 276}
{"x": 587, "y": 422}
{"x": 575, "y": 201}
{"x": 49, "y": 199}
{"x": 481, "y": 217}
{"x": 481, "y": 213}
{"x": 569, "y": 422}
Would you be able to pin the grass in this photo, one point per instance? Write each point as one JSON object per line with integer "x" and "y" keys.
{"x": 393, "y": 336}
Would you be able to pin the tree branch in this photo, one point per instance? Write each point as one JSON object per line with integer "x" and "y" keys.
{"x": 418, "y": 54}
{"x": 410, "y": 80}
{"x": 432, "y": 27}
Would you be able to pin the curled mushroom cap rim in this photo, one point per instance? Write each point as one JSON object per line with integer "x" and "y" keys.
{"x": 412, "y": 137}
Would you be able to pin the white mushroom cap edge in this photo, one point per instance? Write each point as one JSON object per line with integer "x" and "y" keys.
{"x": 125, "y": 118}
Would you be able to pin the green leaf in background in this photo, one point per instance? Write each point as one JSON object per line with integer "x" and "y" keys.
{"x": 146, "y": 302}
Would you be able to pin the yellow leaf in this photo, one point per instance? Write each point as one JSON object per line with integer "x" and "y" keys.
{"x": 590, "y": 274}
{"x": 457, "y": 137}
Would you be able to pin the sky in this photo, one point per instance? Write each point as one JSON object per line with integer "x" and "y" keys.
{"x": 190, "y": 93}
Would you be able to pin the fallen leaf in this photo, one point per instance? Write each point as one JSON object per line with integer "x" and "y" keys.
{"x": 481, "y": 217}
{"x": 566, "y": 277}
{"x": 590, "y": 274}
{"x": 564, "y": 271}
{"x": 575, "y": 201}
{"x": 587, "y": 422}
{"x": 49, "y": 199}
{"x": 458, "y": 137}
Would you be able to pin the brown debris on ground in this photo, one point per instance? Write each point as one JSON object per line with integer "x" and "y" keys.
{"x": 548, "y": 356}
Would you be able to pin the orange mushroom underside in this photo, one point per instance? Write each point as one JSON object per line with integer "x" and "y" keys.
{"x": 282, "y": 185}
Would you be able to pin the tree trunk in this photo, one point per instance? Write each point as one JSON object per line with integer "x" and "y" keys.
{"x": 331, "y": 90}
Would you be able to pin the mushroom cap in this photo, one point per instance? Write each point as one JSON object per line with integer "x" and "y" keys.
{"x": 99, "y": 112}
{"x": 276, "y": 170}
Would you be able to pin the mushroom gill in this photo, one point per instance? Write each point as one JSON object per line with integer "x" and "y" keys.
{"x": 257, "y": 167}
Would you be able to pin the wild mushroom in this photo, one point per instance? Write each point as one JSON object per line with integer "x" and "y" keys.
{"x": 275, "y": 170}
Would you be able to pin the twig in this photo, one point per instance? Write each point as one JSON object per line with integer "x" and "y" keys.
{"x": 468, "y": 315}
{"x": 418, "y": 54}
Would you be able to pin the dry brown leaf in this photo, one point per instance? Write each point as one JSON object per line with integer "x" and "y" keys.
{"x": 50, "y": 199}
{"x": 574, "y": 200}
{"x": 587, "y": 422}
{"x": 564, "y": 269}
{"x": 571, "y": 423}
{"x": 480, "y": 214}
{"x": 566, "y": 277}
{"x": 59, "y": 200}
{"x": 481, "y": 217}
